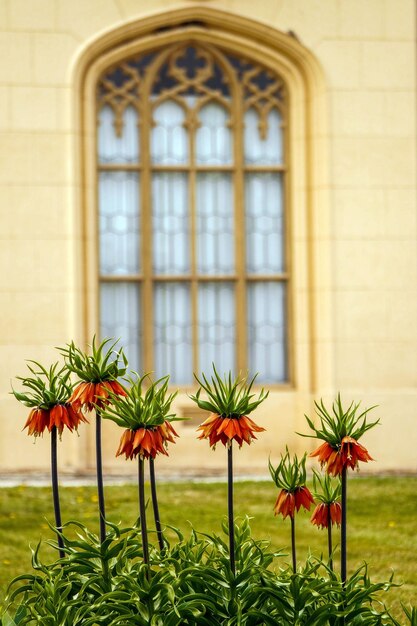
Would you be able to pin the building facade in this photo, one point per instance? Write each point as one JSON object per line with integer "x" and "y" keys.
{"x": 213, "y": 181}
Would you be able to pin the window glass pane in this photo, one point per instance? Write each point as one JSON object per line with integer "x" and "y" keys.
{"x": 260, "y": 150}
{"x": 120, "y": 318}
{"x": 215, "y": 216}
{"x": 169, "y": 136}
{"x": 114, "y": 149}
{"x": 266, "y": 331}
{"x": 264, "y": 223}
{"x": 170, "y": 224}
{"x": 216, "y": 327}
{"x": 119, "y": 222}
{"x": 172, "y": 332}
{"x": 214, "y": 137}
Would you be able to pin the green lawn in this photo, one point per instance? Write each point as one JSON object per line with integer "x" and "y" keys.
{"x": 382, "y": 517}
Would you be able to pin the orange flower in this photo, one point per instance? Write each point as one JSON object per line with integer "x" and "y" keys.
{"x": 320, "y": 515}
{"x": 217, "y": 428}
{"x": 88, "y": 395}
{"x": 347, "y": 455}
{"x": 147, "y": 442}
{"x": 59, "y": 415}
{"x": 288, "y": 502}
{"x": 303, "y": 498}
{"x": 37, "y": 421}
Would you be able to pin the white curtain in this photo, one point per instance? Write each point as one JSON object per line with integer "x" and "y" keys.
{"x": 119, "y": 223}
{"x": 170, "y": 221}
{"x": 114, "y": 149}
{"x": 213, "y": 137}
{"x": 169, "y": 139}
{"x": 215, "y": 224}
{"x": 264, "y": 223}
{"x": 263, "y": 151}
{"x": 216, "y": 326}
{"x": 172, "y": 332}
{"x": 266, "y": 331}
{"x": 120, "y": 305}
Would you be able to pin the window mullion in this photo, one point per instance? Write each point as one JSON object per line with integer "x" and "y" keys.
{"x": 147, "y": 239}
{"x": 240, "y": 238}
{"x": 287, "y": 256}
{"x": 192, "y": 195}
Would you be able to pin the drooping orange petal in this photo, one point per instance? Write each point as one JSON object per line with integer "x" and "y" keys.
{"x": 251, "y": 424}
{"x": 285, "y": 504}
{"x": 230, "y": 430}
{"x": 303, "y": 498}
{"x": 37, "y": 421}
{"x": 323, "y": 452}
{"x": 336, "y": 513}
{"x": 320, "y": 516}
{"x": 224, "y": 429}
{"x": 56, "y": 418}
{"x": 138, "y": 437}
{"x": 117, "y": 388}
{"x": 125, "y": 445}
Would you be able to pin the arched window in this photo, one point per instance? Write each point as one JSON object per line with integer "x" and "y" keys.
{"x": 192, "y": 173}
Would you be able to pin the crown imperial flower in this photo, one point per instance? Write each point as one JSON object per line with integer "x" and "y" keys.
{"x": 97, "y": 373}
{"x": 290, "y": 477}
{"x": 48, "y": 396}
{"x": 329, "y": 509}
{"x": 325, "y": 513}
{"x": 340, "y": 432}
{"x": 145, "y": 416}
{"x": 229, "y": 401}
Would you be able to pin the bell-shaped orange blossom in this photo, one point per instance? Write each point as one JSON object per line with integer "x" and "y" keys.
{"x": 325, "y": 513}
{"x": 224, "y": 429}
{"x": 347, "y": 454}
{"x": 288, "y": 502}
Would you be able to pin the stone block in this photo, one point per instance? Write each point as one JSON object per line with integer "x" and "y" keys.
{"x": 35, "y": 15}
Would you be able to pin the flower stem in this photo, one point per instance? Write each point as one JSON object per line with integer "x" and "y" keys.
{"x": 155, "y": 504}
{"x": 55, "y": 491}
{"x": 142, "y": 509}
{"x": 343, "y": 557}
{"x": 230, "y": 506}
{"x": 294, "y": 556}
{"x": 329, "y": 537}
{"x": 100, "y": 488}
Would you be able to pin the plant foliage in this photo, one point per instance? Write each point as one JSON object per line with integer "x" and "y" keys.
{"x": 228, "y": 396}
{"x": 104, "y": 362}
{"x": 340, "y": 422}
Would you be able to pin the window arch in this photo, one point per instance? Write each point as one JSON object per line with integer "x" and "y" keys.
{"x": 192, "y": 179}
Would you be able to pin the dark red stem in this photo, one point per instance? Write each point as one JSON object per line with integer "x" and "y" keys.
{"x": 55, "y": 491}
{"x": 100, "y": 487}
{"x": 230, "y": 506}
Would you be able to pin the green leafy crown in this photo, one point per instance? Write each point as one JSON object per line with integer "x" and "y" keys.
{"x": 290, "y": 474}
{"x": 227, "y": 396}
{"x": 340, "y": 422}
{"x": 147, "y": 403}
{"x": 46, "y": 388}
{"x": 104, "y": 362}
{"x": 325, "y": 489}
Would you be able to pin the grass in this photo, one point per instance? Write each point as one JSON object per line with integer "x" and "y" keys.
{"x": 382, "y": 518}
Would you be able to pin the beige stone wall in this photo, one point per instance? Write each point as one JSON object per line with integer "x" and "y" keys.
{"x": 354, "y": 213}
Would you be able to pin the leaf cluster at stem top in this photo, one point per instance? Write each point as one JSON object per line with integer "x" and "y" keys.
{"x": 46, "y": 388}
{"x": 290, "y": 474}
{"x": 146, "y": 405}
{"x": 104, "y": 362}
{"x": 227, "y": 396}
{"x": 340, "y": 422}
{"x": 325, "y": 489}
